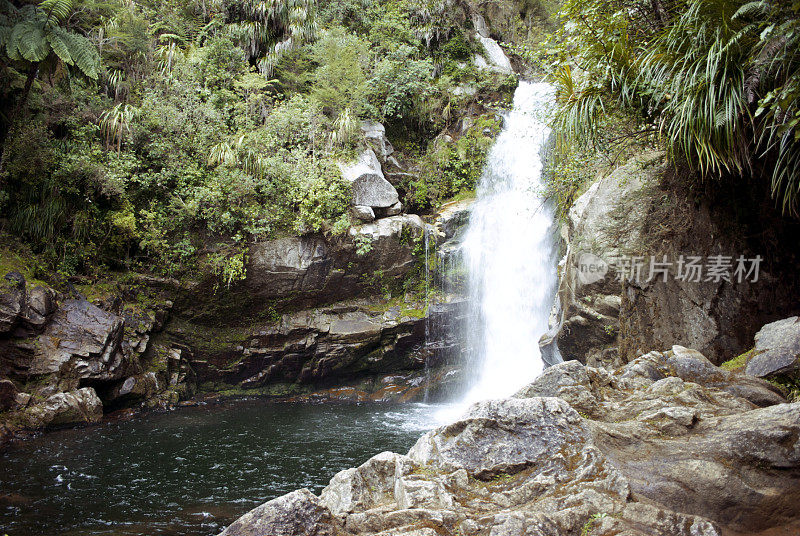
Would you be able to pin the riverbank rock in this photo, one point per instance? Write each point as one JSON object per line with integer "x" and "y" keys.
{"x": 299, "y": 513}
{"x": 344, "y": 342}
{"x": 668, "y": 444}
{"x": 777, "y": 349}
{"x": 74, "y": 407}
{"x": 83, "y": 338}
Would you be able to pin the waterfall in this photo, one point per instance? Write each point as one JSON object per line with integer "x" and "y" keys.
{"x": 509, "y": 251}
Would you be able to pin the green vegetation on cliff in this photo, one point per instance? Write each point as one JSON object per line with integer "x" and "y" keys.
{"x": 165, "y": 136}
{"x": 715, "y": 82}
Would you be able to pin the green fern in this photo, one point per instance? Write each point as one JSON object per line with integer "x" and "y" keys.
{"x": 698, "y": 81}
{"x": 57, "y": 10}
{"x": 35, "y": 35}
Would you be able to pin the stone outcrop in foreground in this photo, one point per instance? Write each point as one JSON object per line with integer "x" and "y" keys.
{"x": 669, "y": 444}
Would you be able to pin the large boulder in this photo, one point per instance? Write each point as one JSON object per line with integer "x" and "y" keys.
{"x": 777, "y": 350}
{"x": 81, "y": 341}
{"x": 61, "y": 409}
{"x": 299, "y": 513}
{"x": 367, "y": 486}
{"x": 367, "y": 182}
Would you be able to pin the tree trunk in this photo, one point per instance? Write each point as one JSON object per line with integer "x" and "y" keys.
{"x": 23, "y": 99}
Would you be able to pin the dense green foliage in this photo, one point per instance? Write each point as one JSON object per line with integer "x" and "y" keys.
{"x": 716, "y": 81}
{"x": 166, "y": 136}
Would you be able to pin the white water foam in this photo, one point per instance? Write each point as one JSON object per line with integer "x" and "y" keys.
{"x": 509, "y": 251}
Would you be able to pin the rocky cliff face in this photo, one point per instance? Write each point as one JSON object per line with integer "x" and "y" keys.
{"x": 343, "y": 316}
{"x": 668, "y": 444}
{"x": 63, "y": 359}
{"x": 637, "y": 211}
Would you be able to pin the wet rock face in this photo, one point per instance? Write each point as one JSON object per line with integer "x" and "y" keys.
{"x": 306, "y": 271}
{"x": 84, "y": 338}
{"x": 337, "y": 343}
{"x": 588, "y": 320}
{"x": 668, "y": 444}
{"x": 637, "y": 211}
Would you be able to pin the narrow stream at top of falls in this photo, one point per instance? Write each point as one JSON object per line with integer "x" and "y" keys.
{"x": 510, "y": 254}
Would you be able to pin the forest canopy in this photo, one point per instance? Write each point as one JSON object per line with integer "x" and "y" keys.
{"x": 168, "y": 135}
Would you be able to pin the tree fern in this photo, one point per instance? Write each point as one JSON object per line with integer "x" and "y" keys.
{"x": 56, "y": 10}
{"x": 29, "y": 42}
{"x": 31, "y": 36}
{"x": 83, "y": 53}
{"x": 266, "y": 30}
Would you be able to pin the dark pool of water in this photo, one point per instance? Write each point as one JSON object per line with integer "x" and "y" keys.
{"x": 192, "y": 471}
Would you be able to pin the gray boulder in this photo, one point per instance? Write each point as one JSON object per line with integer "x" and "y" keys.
{"x": 73, "y": 407}
{"x": 777, "y": 350}
{"x": 83, "y": 338}
{"x": 363, "y": 213}
{"x": 568, "y": 381}
{"x": 40, "y": 305}
{"x": 300, "y": 513}
{"x": 369, "y": 187}
{"x": 367, "y": 486}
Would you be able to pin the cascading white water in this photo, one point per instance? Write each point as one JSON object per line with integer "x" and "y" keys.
{"x": 509, "y": 251}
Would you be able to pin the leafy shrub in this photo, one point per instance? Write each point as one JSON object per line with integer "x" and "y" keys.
{"x": 339, "y": 81}
{"x": 450, "y": 168}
